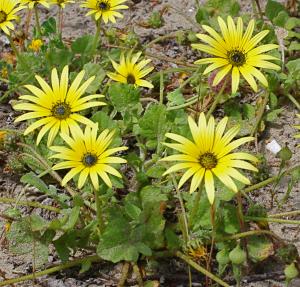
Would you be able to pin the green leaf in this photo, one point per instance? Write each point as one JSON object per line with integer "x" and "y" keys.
{"x": 273, "y": 115}
{"x": 59, "y": 57}
{"x": 123, "y": 96}
{"x": 156, "y": 171}
{"x": 175, "y": 98}
{"x": 49, "y": 27}
{"x": 153, "y": 123}
{"x": 294, "y": 46}
{"x": 37, "y": 223}
{"x": 96, "y": 70}
{"x": 72, "y": 218}
{"x": 33, "y": 180}
{"x": 152, "y": 195}
{"x": 230, "y": 219}
{"x": 104, "y": 121}
{"x": 273, "y": 8}
{"x": 281, "y": 18}
{"x": 259, "y": 248}
{"x": 201, "y": 15}
{"x": 173, "y": 241}
{"x": 132, "y": 211}
{"x": 24, "y": 241}
{"x": 85, "y": 266}
{"x": 83, "y": 45}
{"x": 249, "y": 111}
{"x": 285, "y": 154}
{"x": 291, "y": 23}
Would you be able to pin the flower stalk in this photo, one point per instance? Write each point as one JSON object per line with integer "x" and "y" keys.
{"x": 37, "y": 21}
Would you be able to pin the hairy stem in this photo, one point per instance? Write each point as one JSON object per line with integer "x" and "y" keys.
{"x": 201, "y": 269}
{"x": 99, "y": 210}
{"x": 261, "y": 111}
{"x": 97, "y": 37}
{"x": 37, "y": 21}
{"x": 93, "y": 258}
{"x": 124, "y": 275}
{"x": 216, "y": 101}
{"x": 278, "y": 220}
{"x": 29, "y": 203}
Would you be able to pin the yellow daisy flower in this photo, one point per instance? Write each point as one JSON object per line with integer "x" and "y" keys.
{"x": 61, "y": 3}
{"x": 32, "y": 3}
{"x": 8, "y": 10}
{"x": 236, "y": 52}
{"x": 57, "y": 106}
{"x": 105, "y": 9}
{"x": 88, "y": 155}
{"x": 131, "y": 72}
{"x": 210, "y": 155}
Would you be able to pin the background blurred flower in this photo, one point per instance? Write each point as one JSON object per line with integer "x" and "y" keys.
{"x": 61, "y": 3}
{"x": 36, "y": 45}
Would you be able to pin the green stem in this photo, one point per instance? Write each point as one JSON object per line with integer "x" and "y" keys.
{"x": 37, "y": 21}
{"x": 29, "y": 203}
{"x": 124, "y": 274}
{"x": 183, "y": 212}
{"x": 138, "y": 275}
{"x": 93, "y": 258}
{"x": 196, "y": 205}
{"x": 260, "y": 114}
{"x": 15, "y": 50}
{"x": 99, "y": 210}
{"x": 216, "y": 101}
{"x": 289, "y": 213}
{"x": 269, "y": 180}
{"x": 201, "y": 269}
{"x": 249, "y": 233}
{"x": 97, "y": 37}
{"x": 293, "y": 100}
{"x": 161, "y": 88}
{"x": 192, "y": 100}
{"x": 277, "y": 220}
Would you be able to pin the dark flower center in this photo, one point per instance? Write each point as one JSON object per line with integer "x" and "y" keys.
{"x": 89, "y": 159}
{"x": 61, "y": 111}
{"x": 208, "y": 160}
{"x": 131, "y": 79}
{"x": 3, "y": 16}
{"x": 236, "y": 57}
{"x": 103, "y": 5}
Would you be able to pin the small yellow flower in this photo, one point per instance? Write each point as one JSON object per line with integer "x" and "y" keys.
{"x": 61, "y": 3}
{"x": 209, "y": 156}
{"x": 57, "y": 106}
{"x": 105, "y": 9}
{"x": 32, "y": 3}
{"x": 36, "y": 45}
{"x": 131, "y": 72}
{"x": 88, "y": 155}
{"x": 8, "y": 10}
{"x": 236, "y": 52}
